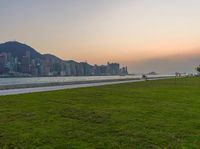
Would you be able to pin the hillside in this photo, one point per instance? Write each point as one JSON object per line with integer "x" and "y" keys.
{"x": 18, "y": 49}
{"x": 52, "y": 58}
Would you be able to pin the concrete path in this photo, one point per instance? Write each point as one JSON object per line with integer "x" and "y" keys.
{"x": 53, "y": 88}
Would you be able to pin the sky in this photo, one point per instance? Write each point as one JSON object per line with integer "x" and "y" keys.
{"x": 146, "y": 35}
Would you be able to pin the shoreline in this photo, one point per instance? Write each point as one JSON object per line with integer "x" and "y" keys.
{"x": 35, "y": 85}
{"x": 61, "y": 87}
{"x": 16, "y": 91}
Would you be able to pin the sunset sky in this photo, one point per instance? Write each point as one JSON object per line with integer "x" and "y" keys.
{"x": 132, "y": 32}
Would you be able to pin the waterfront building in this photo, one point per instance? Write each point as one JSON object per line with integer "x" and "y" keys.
{"x": 25, "y": 63}
{"x": 2, "y": 63}
{"x": 113, "y": 68}
{"x": 53, "y": 66}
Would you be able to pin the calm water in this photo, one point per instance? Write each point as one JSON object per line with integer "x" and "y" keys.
{"x": 14, "y": 81}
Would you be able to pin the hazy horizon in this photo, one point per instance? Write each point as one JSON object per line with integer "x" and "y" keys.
{"x": 161, "y": 36}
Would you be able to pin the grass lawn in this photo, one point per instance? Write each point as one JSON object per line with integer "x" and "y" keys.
{"x": 151, "y": 114}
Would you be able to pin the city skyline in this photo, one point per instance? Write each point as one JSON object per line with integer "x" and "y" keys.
{"x": 132, "y": 33}
{"x": 21, "y": 60}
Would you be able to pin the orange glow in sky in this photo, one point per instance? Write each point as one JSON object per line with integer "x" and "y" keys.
{"x": 98, "y": 31}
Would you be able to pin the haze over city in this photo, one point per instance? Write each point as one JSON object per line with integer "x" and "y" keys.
{"x": 154, "y": 35}
{"x": 103, "y": 74}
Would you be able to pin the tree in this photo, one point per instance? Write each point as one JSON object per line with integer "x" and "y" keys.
{"x": 198, "y": 68}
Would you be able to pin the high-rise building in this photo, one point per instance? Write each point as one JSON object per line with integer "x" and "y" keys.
{"x": 113, "y": 68}
{"x": 25, "y": 63}
{"x": 2, "y": 63}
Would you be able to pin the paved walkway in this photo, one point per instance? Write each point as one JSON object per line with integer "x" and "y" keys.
{"x": 53, "y": 88}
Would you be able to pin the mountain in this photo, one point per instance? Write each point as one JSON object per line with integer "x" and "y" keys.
{"x": 18, "y": 49}
{"x": 45, "y": 64}
{"x": 52, "y": 58}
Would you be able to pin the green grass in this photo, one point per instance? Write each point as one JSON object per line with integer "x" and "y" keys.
{"x": 151, "y": 114}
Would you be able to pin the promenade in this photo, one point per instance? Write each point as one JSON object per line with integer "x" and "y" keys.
{"x": 67, "y": 85}
{"x": 60, "y": 87}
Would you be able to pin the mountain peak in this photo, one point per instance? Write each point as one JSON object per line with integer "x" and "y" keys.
{"x": 14, "y": 42}
{"x": 18, "y": 49}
